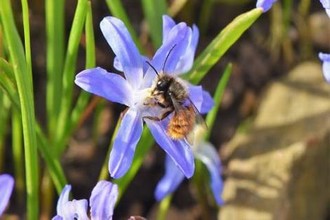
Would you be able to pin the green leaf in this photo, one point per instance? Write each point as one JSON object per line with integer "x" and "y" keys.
{"x": 69, "y": 72}
{"x": 53, "y": 163}
{"x": 220, "y": 44}
{"x": 54, "y": 12}
{"x": 153, "y": 11}
{"x": 23, "y": 77}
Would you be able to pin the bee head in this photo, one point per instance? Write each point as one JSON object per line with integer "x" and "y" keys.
{"x": 163, "y": 83}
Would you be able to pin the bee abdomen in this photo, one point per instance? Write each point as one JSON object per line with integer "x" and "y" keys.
{"x": 180, "y": 125}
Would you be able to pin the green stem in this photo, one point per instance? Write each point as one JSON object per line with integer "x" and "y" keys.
{"x": 164, "y": 206}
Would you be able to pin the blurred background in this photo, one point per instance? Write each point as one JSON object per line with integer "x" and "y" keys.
{"x": 272, "y": 131}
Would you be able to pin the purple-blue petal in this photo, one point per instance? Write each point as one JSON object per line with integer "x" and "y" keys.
{"x": 326, "y": 65}
{"x": 325, "y": 4}
{"x": 201, "y": 99}
{"x": 170, "y": 181}
{"x": 186, "y": 61}
{"x": 208, "y": 102}
{"x": 265, "y": 5}
{"x": 76, "y": 209}
{"x": 168, "y": 24}
{"x": 176, "y": 37}
{"x": 64, "y": 198}
{"x": 6, "y": 188}
{"x": 196, "y": 96}
{"x": 210, "y": 157}
{"x": 179, "y": 150}
{"x": 123, "y": 149}
{"x": 103, "y": 200}
{"x": 119, "y": 66}
{"x": 110, "y": 86}
{"x": 124, "y": 48}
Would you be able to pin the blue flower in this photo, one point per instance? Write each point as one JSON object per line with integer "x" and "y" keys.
{"x": 265, "y": 5}
{"x": 6, "y": 188}
{"x": 134, "y": 88}
{"x": 206, "y": 153}
{"x": 102, "y": 202}
{"x": 326, "y": 6}
{"x": 325, "y": 57}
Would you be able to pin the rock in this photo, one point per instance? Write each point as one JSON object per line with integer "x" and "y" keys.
{"x": 280, "y": 168}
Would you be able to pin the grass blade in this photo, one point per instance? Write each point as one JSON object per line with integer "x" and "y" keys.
{"x": 211, "y": 116}
{"x": 153, "y": 11}
{"x": 24, "y": 86}
{"x": 54, "y": 11}
{"x": 69, "y": 71}
{"x": 221, "y": 43}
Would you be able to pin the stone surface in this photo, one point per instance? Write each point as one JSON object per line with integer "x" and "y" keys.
{"x": 280, "y": 167}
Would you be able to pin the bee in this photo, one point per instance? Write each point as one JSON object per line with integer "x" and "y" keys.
{"x": 171, "y": 94}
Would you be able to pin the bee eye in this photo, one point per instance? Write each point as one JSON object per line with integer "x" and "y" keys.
{"x": 162, "y": 85}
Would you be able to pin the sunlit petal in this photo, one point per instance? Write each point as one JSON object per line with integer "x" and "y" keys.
{"x": 170, "y": 181}
{"x": 210, "y": 157}
{"x": 6, "y": 188}
{"x": 168, "y": 24}
{"x": 326, "y": 65}
{"x": 125, "y": 142}
{"x": 175, "y": 37}
{"x": 208, "y": 102}
{"x": 110, "y": 86}
{"x": 103, "y": 200}
{"x": 325, "y": 4}
{"x": 123, "y": 46}
{"x": 265, "y": 4}
{"x": 186, "y": 61}
{"x": 201, "y": 99}
{"x": 179, "y": 150}
{"x": 76, "y": 209}
{"x": 64, "y": 198}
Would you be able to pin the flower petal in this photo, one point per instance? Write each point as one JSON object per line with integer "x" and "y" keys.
{"x": 325, "y": 4}
{"x": 326, "y": 65}
{"x": 179, "y": 150}
{"x": 6, "y": 188}
{"x": 110, "y": 86}
{"x": 76, "y": 209}
{"x": 210, "y": 157}
{"x": 201, "y": 99}
{"x": 265, "y": 5}
{"x": 103, "y": 200}
{"x": 186, "y": 61}
{"x": 170, "y": 181}
{"x": 124, "y": 145}
{"x": 119, "y": 66}
{"x": 168, "y": 24}
{"x": 207, "y": 103}
{"x": 177, "y": 36}
{"x": 124, "y": 48}
{"x": 64, "y": 198}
